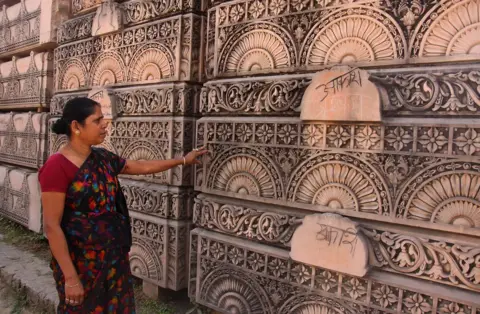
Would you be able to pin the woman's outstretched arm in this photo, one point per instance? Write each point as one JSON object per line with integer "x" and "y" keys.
{"x": 137, "y": 167}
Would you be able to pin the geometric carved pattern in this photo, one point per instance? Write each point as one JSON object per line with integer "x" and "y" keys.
{"x": 20, "y": 197}
{"x": 156, "y": 253}
{"x": 17, "y": 31}
{"x": 140, "y": 53}
{"x": 291, "y": 287}
{"x": 454, "y": 140}
{"x": 24, "y": 139}
{"x": 26, "y": 82}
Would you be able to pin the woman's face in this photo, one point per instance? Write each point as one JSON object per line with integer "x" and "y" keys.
{"x": 94, "y": 129}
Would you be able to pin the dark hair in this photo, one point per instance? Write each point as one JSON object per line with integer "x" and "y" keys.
{"x": 76, "y": 109}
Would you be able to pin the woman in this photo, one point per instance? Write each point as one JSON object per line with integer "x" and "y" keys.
{"x": 85, "y": 220}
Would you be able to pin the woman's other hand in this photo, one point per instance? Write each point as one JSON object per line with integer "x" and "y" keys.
{"x": 74, "y": 292}
{"x": 191, "y": 158}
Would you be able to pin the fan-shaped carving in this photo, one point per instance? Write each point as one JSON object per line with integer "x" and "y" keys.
{"x": 73, "y": 75}
{"x": 57, "y": 143}
{"x": 107, "y": 69}
{"x": 152, "y": 62}
{"x": 234, "y": 293}
{"x": 142, "y": 150}
{"x": 255, "y": 50}
{"x": 453, "y": 31}
{"x": 245, "y": 175}
{"x": 315, "y": 304}
{"x": 352, "y": 39}
{"x": 338, "y": 185}
{"x": 107, "y": 145}
{"x": 450, "y": 198}
{"x": 144, "y": 262}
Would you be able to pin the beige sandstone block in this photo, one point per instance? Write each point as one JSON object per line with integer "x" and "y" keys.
{"x": 106, "y": 98}
{"x": 331, "y": 241}
{"x": 341, "y": 93}
{"x": 108, "y": 19}
{"x": 20, "y": 199}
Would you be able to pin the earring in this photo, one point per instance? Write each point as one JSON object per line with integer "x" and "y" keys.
{"x": 77, "y": 132}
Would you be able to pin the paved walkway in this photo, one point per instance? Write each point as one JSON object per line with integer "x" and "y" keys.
{"x": 23, "y": 270}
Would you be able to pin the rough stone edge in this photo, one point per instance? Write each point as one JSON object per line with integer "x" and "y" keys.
{"x": 34, "y": 299}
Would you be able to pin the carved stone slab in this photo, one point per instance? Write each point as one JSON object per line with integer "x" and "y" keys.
{"x": 331, "y": 241}
{"x": 20, "y": 197}
{"x": 159, "y": 251}
{"x": 108, "y": 19}
{"x": 157, "y": 200}
{"x": 106, "y": 99}
{"x": 341, "y": 94}
{"x": 26, "y": 82}
{"x": 225, "y": 269}
{"x": 20, "y": 26}
{"x": 23, "y": 139}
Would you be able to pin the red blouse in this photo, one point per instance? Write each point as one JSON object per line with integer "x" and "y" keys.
{"x": 57, "y": 174}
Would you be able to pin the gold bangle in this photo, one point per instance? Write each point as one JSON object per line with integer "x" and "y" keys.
{"x": 72, "y": 286}
{"x": 184, "y": 161}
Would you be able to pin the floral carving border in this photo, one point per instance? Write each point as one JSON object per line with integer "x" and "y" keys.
{"x": 453, "y": 91}
{"x": 179, "y": 99}
{"x": 158, "y": 200}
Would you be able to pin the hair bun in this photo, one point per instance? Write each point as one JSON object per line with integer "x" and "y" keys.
{"x": 60, "y": 126}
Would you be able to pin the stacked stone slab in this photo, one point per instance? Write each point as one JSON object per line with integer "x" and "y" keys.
{"x": 407, "y": 187}
{"x": 27, "y": 37}
{"x": 141, "y": 60}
